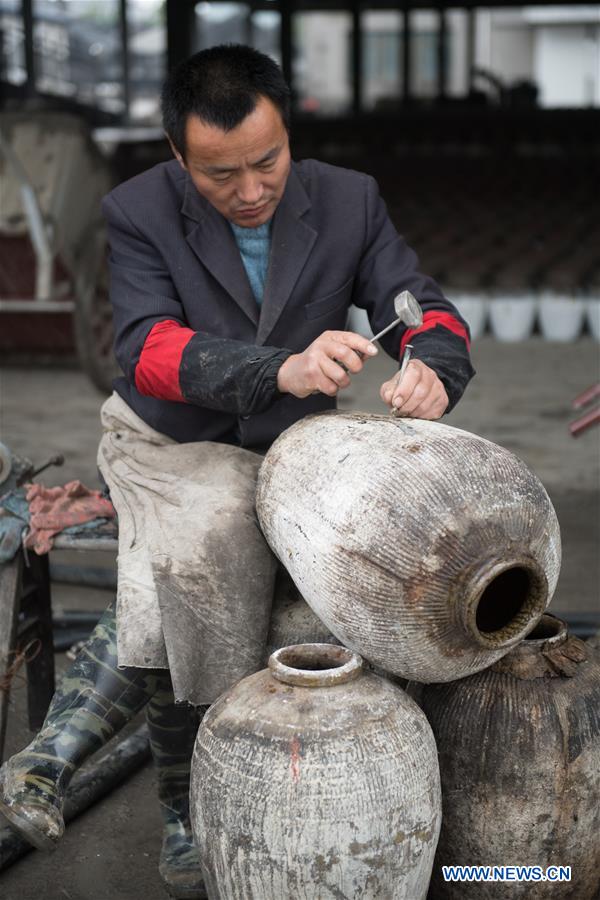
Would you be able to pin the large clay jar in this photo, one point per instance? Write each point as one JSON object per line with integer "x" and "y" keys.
{"x": 292, "y": 619}
{"x": 519, "y": 749}
{"x": 314, "y": 779}
{"x": 427, "y": 549}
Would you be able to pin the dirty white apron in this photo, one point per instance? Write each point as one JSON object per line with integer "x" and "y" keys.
{"x": 195, "y": 575}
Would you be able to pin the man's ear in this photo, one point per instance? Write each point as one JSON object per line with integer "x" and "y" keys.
{"x": 176, "y": 153}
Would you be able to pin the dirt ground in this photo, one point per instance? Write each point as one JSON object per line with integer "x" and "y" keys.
{"x": 521, "y": 398}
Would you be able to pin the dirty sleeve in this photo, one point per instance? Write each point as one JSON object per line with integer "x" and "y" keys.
{"x": 156, "y": 349}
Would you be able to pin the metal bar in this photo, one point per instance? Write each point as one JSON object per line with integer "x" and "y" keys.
{"x": 68, "y": 542}
{"x": 442, "y": 56}
{"x": 286, "y": 43}
{"x": 584, "y": 422}
{"x": 27, "y": 11}
{"x": 181, "y": 30}
{"x": 113, "y": 768}
{"x": 586, "y": 396}
{"x": 36, "y": 306}
{"x": 470, "y": 47}
{"x": 357, "y": 52}
{"x": 406, "y": 51}
{"x": 125, "y": 58}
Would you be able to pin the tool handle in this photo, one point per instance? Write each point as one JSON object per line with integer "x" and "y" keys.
{"x": 386, "y": 329}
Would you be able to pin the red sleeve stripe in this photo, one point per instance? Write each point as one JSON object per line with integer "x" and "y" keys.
{"x": 157, "y": 371}
{"x": 430, "y": 320}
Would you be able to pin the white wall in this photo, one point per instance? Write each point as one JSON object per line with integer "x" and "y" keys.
{"x": 567, "y": 64}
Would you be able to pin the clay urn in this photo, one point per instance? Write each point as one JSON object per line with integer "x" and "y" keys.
{"x": 292, "y": 619}
{"x": 316, "y": 779}
{"x": 519, "y": 750}
{"x": 429, "y": 550}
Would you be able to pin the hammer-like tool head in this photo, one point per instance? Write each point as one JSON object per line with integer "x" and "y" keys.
{"x": 407, "y": 310}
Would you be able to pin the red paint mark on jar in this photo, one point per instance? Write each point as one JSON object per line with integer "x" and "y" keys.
{"x": 295, "y": 759}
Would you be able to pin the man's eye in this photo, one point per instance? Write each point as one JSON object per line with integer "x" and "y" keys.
{"x": 221, "y": 179}
{"x": 264, "y": 167}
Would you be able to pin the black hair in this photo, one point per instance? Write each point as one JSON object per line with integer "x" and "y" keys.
{"x": 221, "y": 85}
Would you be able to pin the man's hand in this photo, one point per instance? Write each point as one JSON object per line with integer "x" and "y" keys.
{"x": 421, "y": 395}
{"x": 319, "y": 367}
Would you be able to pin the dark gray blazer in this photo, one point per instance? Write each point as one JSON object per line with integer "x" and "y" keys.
{"x": 173, "y": 256}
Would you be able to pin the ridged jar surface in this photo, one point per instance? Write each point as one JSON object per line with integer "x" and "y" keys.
{"x": 292, "y": 619}
{"x": 316, "y": 793}
{"x": 520, "y": 767}
{"x": 378, "y": 519}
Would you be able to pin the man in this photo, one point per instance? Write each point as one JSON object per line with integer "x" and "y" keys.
{"x": 232, "y": 270}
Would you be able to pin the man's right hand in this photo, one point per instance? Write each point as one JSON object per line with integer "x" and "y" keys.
{"x": 318, "y": 368}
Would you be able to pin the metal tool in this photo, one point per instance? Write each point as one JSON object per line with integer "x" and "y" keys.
{"x": 405, "y": 361}
{"x": 30, "y": 473}
{"x": 407, "y": 310}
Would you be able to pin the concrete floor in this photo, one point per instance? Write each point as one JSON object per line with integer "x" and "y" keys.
{"x": 520, "y": 398}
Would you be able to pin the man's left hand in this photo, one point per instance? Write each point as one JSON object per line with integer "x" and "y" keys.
{"x": 421, "y": 394}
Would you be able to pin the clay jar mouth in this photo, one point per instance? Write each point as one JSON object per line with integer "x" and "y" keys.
{"x": 549, "y": 632}
{"x": 498, "y": 603}
{"x": 315, "y": 665}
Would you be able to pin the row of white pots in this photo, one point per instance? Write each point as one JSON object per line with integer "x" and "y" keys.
{"x": 512, "y": 316}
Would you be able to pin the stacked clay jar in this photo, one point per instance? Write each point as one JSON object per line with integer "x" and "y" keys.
{"x": 432, "y": 554}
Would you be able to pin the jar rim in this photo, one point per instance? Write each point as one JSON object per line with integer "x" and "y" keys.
{"x": 315, "y": 665}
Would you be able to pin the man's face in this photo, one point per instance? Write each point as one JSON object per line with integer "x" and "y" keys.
{"x": 242, "y": 172}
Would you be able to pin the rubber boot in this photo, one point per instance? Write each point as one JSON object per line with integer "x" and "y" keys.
{"x": 94, "y": 700}
{"x": 172, "y": 733}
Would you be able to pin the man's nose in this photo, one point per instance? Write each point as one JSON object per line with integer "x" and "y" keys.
{"x": 249, "y": 188}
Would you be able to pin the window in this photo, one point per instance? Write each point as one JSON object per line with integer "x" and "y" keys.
{"x": 382, "y": 58}
{"x": 12, "y": 45}
{"x": 78, "y": 52}
{"x": 321, "y": 61}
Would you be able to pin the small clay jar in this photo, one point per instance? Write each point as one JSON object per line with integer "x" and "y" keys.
{"x": 315, "y": 779}
{"x": 519, "y": 750}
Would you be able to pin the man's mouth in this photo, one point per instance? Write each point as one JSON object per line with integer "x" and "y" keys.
{"x": 252, "y": 211}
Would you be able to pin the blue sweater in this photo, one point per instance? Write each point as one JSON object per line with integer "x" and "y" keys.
{"x": 254, "y": 245}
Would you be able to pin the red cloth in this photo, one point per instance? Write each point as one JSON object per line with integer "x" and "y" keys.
{"x": 432, "y": 319}
{"x": 157, "y": 372}
{"x": 53, "y": 509}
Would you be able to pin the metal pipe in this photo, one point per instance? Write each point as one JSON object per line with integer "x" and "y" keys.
{"x": 587, "y": 396}
{"x": 406, "y": 51}
{"x": 357, "y": 52}
{"x": 442, "y": 56}
{"x": 125, "y": 59}
{"x": 36, "y": 306}
{"x": 286, "y": 44}
{"x": 584, "y": 422}
{"x": 27, "y": 12}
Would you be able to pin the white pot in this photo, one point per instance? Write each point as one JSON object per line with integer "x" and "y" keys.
{"x": 473, "y": 308}
{"x": 560, "y": 316}
{"x": 401, "y": 574}
{"x": 593, "y": 316}
{"x": 512, "y": 317}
